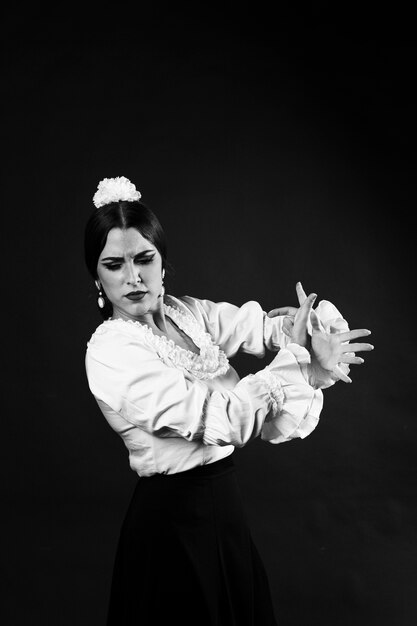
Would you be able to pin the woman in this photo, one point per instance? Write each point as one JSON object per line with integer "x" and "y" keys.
{"x": 159, "y": 369}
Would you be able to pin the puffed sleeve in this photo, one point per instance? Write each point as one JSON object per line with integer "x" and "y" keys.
{"x": 246, "y": 328}
{"x": 290, "y": 420}
{"x": 131, "y": 378}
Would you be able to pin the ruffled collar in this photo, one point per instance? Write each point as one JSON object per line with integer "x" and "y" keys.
{"x": 210, "y": 363}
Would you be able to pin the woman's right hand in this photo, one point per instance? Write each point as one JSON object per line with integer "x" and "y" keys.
{"x": 299, "y": 332}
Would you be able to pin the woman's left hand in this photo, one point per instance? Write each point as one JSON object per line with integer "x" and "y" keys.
{"x": 328, "y": 350}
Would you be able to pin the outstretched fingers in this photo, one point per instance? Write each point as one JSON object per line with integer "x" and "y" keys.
{"x": 354, "y": 334}
{"x": 350, "y": 359}
{"x": 306, "y": 307}
{"x": 357, "y": 347}
{"x": 341, "y": 374}
{"x": 301, "y": 294}
{"x": 299, "y": 331}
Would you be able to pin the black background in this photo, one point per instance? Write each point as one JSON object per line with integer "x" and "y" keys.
{"x": 274, "y": 147}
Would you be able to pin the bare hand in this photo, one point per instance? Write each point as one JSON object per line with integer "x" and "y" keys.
{"x": 299, "y": 332}
{"x": 331, "y": 349}
{"x": 288, "y": 321}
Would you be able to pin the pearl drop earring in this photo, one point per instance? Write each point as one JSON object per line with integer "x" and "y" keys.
{"x": 163, "y": 288}
{"x": 100, "y": 300}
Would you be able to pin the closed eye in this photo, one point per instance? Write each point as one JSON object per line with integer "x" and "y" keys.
{"x": 112, "y": 266}
{"x": 139, "y": 260}
{"x": 145, "y": 260}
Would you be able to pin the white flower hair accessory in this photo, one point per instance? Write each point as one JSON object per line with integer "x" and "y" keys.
{"x": 114, "y": 190}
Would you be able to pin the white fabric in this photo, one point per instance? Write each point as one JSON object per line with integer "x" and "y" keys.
{"x": 175, "y": 409}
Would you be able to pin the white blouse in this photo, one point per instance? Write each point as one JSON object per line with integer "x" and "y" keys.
{"x": 175, "y": 409}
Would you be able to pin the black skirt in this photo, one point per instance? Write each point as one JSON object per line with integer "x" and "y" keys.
{"x": 185, "y": 555}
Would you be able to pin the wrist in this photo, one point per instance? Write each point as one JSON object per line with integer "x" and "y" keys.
{"x": 319, "y": 376}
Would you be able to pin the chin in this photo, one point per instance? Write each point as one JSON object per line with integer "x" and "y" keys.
{"x": 139, "y": 308}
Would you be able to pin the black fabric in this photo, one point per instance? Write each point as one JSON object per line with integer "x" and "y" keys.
{"x": 185, "y": 554}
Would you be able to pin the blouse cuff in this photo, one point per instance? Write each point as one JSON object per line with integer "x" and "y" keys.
{"x": 296, "y": 406}
{"x": 274, "y": 336}
{"x": 276, "y": 394}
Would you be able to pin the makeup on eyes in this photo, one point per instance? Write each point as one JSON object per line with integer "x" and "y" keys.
{"x": 121, "y": 258}
{"x": 114, "y": 263}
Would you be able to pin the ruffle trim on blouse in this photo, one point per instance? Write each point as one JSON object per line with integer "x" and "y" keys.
{"x": 301, "y": 405}
{"x": 275, "y": 390}
{"x": 210, "y": 363}
{"x": 287, "y": 426}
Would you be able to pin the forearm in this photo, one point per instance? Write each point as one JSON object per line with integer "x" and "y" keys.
{"x": 277, "y": 402}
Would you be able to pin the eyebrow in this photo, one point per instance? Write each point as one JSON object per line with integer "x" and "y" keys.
{"x": 120, "y": 258}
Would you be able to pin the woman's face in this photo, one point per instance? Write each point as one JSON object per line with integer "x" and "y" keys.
{"x": 126, "y": 258}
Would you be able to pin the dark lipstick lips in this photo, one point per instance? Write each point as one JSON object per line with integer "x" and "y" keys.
{"x": 135, "y": 294}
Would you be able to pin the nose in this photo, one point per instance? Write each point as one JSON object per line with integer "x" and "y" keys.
{"x": 133, "y": 276}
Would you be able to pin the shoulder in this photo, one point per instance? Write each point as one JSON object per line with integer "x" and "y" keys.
{"x": 188, "y": 305}
{"x": 195, "y": 309}
{"x": 211, "y": 313}
{"x": 115, "y": 329}
{"x": 184, "y": 303}
{"x": 199, "y": 306}
{"x": 113, "y": 338}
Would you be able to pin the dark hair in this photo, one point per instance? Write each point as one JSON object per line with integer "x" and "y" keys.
{"x": 120, "y": 215}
